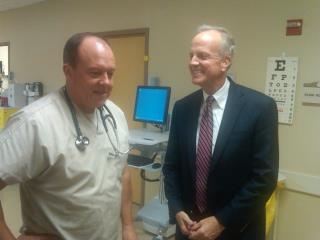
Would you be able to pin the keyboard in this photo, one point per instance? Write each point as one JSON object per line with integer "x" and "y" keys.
{"x": 138, "y": 161}
{"x": 147, "y": 137}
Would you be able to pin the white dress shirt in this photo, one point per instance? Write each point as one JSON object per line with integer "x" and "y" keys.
{"x": 218, "y": 107}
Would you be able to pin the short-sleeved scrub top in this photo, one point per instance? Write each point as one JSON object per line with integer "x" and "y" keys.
{"x": 64, "y": 191}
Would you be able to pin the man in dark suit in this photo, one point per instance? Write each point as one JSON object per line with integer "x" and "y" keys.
{"x": 220, "y": 193}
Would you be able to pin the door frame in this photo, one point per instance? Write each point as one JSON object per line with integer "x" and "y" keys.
{"x": 7, "y": 44}
{"x": 140, "y": 32}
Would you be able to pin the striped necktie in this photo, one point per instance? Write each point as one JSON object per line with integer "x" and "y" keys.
{"x": 204, "y": 154}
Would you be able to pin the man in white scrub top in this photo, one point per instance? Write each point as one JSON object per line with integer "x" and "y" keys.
{"x": 70, "y": 192}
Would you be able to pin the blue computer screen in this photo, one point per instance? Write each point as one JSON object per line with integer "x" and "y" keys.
{"x": 151, "y": 104}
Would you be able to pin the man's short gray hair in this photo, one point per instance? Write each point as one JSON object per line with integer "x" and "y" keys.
{"x": 227, "y": 42}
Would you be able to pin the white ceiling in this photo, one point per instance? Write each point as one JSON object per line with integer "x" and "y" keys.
{"x": 11, "y": 4}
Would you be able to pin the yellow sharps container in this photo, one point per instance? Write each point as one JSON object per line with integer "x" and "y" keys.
{"x": 5, "y": 113}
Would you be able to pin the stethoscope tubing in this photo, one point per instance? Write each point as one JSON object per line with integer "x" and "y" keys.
{"x": 109, "y": 117}
{"x": 82, "y": 141}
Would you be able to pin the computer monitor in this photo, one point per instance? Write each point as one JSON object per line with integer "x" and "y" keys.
{"x": 151, "y": 105}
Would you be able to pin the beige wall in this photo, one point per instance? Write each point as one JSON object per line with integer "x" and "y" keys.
{"x": 37, "y": 34}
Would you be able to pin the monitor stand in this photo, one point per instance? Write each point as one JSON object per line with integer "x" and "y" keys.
{"x": 154, "y": 214}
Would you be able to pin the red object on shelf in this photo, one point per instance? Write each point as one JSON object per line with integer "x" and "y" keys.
{"x": 3, "y": 101}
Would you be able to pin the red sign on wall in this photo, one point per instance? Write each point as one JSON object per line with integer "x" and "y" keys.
{"x": 294, "y": 27}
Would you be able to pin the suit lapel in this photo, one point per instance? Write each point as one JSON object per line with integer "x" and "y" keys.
{"x": 192, "y": 123}
{"x": 234, "y": 105}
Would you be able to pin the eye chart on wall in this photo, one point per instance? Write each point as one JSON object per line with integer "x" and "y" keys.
{"x": 281, "y": 85}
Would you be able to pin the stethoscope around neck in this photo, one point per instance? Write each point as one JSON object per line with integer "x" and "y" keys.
{"x": 82, "y": 141}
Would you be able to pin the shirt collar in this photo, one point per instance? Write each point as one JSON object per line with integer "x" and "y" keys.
{"x": 221, "y": 95}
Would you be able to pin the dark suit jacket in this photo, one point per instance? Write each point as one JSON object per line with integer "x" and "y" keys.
{"x": 244, "y": 166}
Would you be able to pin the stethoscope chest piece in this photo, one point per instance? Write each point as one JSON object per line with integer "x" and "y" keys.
{"x": 81, "y": 142}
